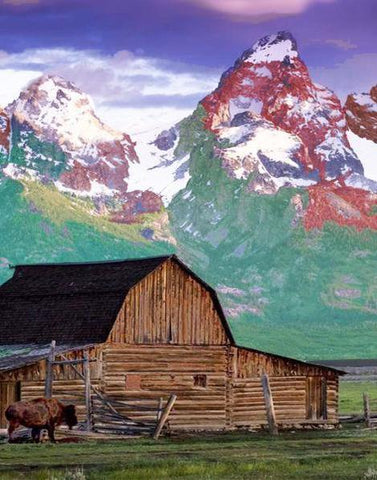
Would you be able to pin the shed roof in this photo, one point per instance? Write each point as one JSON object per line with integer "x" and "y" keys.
{"x": 17, "y": 356}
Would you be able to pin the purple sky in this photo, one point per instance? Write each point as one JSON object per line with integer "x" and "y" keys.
{"x": 336, "y": 38}
{"x": 183, "y": 30}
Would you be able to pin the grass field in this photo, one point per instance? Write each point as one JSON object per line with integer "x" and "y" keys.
{"x": 351, "y": 396}
{"x": 346, "y": 453}
{"x": 325, "y": 455}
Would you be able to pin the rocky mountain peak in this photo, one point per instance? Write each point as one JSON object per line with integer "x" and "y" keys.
{"x": 361, "y": 112}
{"x": 278, "y": 47}
{"x": 58, "y": 138}
{"x": 272, "y": 81}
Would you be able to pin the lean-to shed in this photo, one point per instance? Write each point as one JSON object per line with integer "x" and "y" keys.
{"x": 152, "y": 328}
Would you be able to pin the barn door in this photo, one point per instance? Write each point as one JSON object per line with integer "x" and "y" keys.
{"x": 316, "y": 398}
{"x": 9, "y": 392}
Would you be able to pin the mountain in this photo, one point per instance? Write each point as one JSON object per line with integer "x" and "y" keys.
{"x": 277, "y": 212}
{"x": 64, "y": 193}
{"x": 361, "y": 111}
{"x": 267, "y": 190}
{"x": 58, "y": 139}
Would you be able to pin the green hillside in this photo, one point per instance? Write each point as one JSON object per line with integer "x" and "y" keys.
{"x": 39, "y": 224}
{"x": 306, "y": 294}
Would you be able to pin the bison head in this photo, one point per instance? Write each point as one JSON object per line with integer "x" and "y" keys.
{"x": 70, "y": 416}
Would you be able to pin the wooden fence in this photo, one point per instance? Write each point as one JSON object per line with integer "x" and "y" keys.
{"x": 370, "y": 411}
{"x": 112, "y": 415}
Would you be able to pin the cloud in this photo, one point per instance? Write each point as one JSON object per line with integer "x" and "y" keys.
{"x": 356, "y": 74}
{"x": 19, "y": 2}
{"x": 130, "y": 92}
{"x": 257, "y": 9}
{"x": 340, "y": 43}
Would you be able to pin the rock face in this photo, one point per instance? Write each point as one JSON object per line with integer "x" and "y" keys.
{"x": 272, "y": 83}
{"x": 57, "y": 138}
{"x": 4, "y": 134}
{"x": 361, "y": 112}
{"x": 275, "y": 128}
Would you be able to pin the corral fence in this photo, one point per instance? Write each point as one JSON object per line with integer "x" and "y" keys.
{"x": 370, "y": 411}
{"x": 368, "y": 415}
{"x": 110, "y": 415}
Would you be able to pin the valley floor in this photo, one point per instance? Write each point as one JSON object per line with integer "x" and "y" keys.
{"x": 348, "y": 453}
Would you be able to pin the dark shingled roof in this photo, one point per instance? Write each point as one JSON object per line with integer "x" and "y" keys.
{"x": 70, "y": 303}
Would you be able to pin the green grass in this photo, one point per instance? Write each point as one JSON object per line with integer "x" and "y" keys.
{"x": 351, "y": 396}
{"x": 60, "y": 209}
{"x": 32, "y": 233}
{"x": 343, "y": 454}
{"x": 346, "y": 453}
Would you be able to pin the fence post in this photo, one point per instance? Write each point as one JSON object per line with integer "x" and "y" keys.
{"x": 366, "y": 410}
{"x": 88, "y": 398}
{"x": 159, "y": 409}
{"x": 49, "y": 370}
{"x": 268, "y": 400}
{"x": 164, "y": 416}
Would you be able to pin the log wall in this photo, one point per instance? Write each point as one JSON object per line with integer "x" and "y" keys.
{"x": 218, "y": 387}
{"x": 297, "y": 390}
{"x": 251, "y": 363}
{"x": 145, "y": 373}
{"x": 67, "y": 385}
{"x": 169, "y": 306}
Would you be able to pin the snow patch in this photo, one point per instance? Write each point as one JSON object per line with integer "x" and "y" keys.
{"x": 266, "y": 50}
{"x": 242, "y": 104}
{"x": 263, "y": 71}
{"x": 366, "y": 150}
{"x": 158, "y": 171}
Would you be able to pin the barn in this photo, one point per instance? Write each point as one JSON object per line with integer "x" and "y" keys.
{"x": 140, "y": 331}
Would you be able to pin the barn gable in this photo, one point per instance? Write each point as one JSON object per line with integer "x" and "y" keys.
{"x": 171, "y": 305}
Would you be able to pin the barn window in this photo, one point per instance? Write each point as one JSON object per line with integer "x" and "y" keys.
{"x": 133, "y": 382}
{"x": 200, "y": 381}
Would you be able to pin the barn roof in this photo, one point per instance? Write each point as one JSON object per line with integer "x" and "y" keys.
{"x": 72, "y": 303}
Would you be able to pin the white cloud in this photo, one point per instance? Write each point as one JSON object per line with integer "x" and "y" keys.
{"x": 130, "y": 92}
{"x": 356, "y": 74}
{"x": 341, "y": 43}
{"x": 247, "y": 9}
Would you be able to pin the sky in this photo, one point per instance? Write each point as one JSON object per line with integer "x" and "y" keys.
{"x": 147, "y": 63}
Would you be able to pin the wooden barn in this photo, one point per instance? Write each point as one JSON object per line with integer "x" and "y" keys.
{"x": 147, "y": 329}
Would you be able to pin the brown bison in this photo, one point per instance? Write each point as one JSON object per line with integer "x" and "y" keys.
{"x": 38, "y": 414}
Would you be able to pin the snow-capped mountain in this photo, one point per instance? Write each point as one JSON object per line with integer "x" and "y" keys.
{"x": 271, "y": 82}
{"x": 56, "y": 137}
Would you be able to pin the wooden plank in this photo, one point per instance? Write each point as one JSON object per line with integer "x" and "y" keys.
{"x": 164, "y": 416}
{"x": 367, "y": 419}
{"x": 270, "y": 411}
{"x": 88, "y": 387}
{"x": 49, "y": 371}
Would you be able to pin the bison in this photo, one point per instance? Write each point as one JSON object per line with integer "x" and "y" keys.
{"x": 38, "y": 414}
